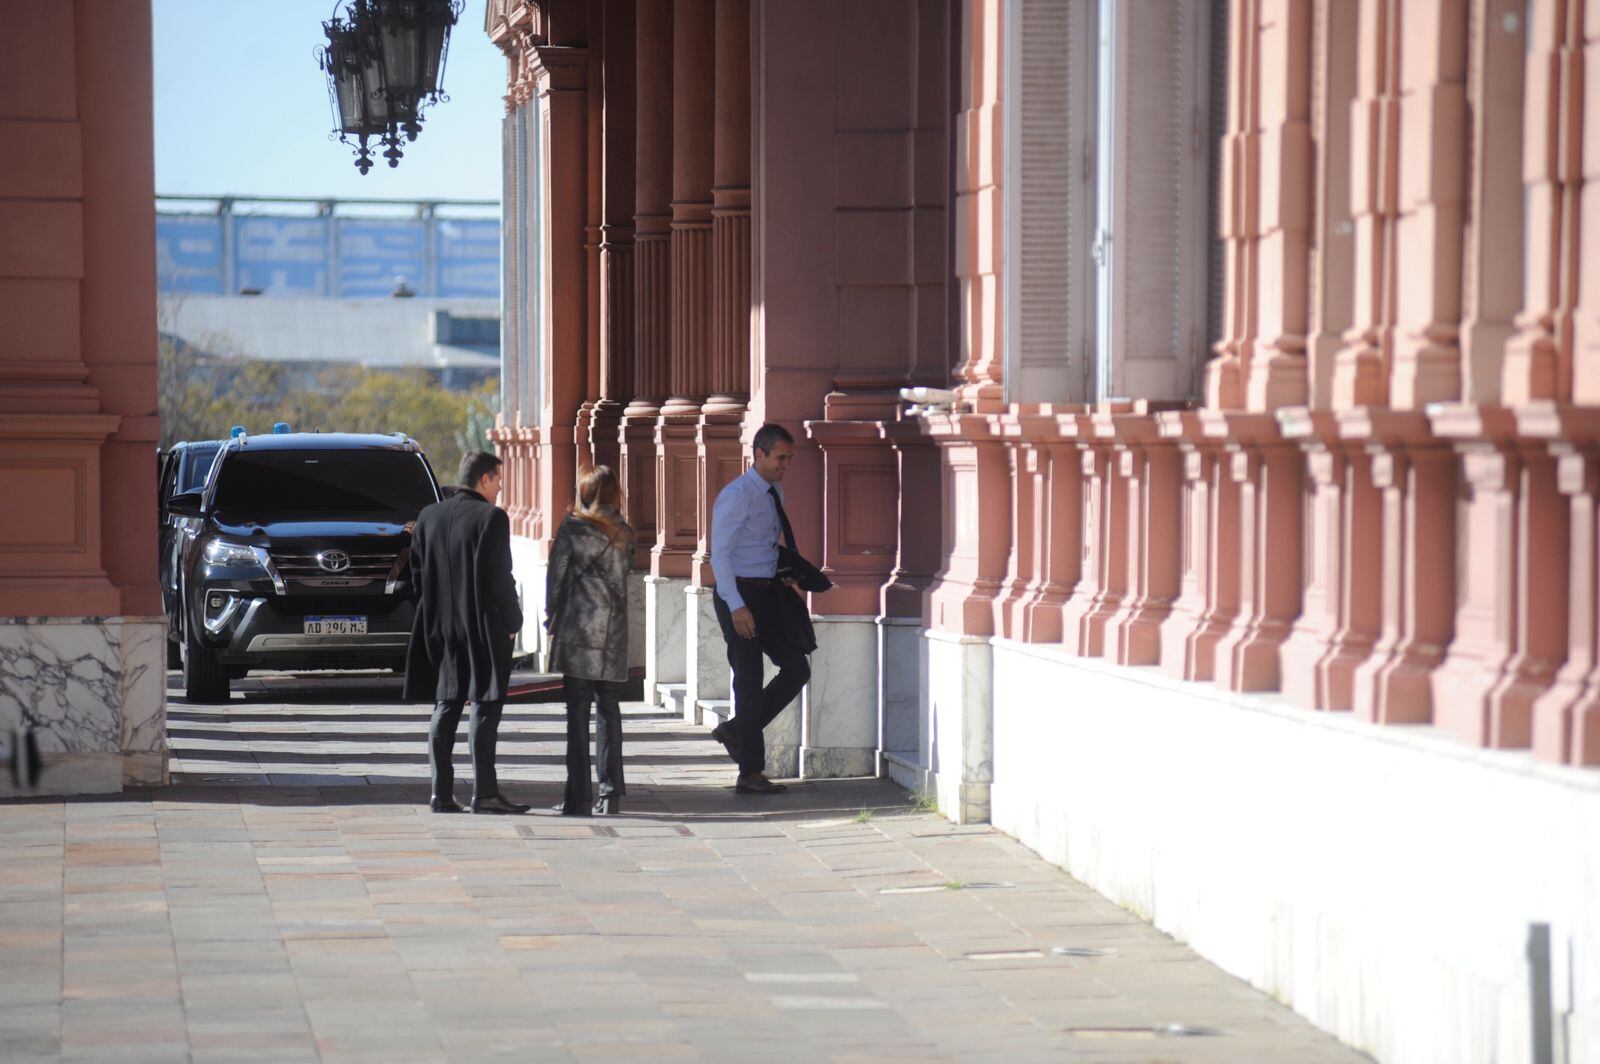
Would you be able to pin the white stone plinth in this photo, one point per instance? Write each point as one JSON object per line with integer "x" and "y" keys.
{"x": 706, "y": 670}
{"x": 960, "y": 721}
{"x": 636, "y": 620}
{"x": 664, "y": 643}
{"x": 839, "y": 707}
{"x": 902, "y": 720}
{"x": 529, "y": 572}
{"x": 93, "y": 689}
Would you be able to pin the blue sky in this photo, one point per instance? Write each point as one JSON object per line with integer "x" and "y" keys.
{"x": 242, "y": 108}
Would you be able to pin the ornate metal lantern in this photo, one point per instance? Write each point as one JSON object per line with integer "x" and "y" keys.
{"x": 385, "y": 62}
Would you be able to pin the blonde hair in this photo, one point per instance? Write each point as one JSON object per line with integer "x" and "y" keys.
{"x": 600, "y": 500}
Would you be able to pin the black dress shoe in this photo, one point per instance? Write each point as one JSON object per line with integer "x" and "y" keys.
{"x": 757, "y": 783}
{"x": 564, "y": 809}
{"x": 608, "y": 805}
{"x": 445, "y": 805}
{"x": 496, "y": 803}
{"x": 724, "y": 734}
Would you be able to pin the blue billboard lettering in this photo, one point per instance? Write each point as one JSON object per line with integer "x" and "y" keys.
{"x": 467, "y": 256}
{"x": 189, "y": 253}
{"x": 377, "y": 254}
{"x": 282, "y": 256}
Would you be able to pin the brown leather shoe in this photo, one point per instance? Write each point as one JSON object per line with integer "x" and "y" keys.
{"x": 758, "y": 784}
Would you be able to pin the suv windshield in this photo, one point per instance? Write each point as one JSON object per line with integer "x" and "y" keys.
{"x": 197, "y": 459}
{"x": 324, "y": 482}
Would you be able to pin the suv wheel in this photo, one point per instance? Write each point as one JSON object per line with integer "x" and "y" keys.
{"x": 205, "y": 679}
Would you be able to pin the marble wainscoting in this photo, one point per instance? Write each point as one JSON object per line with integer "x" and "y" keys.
{"x": 94, "y": 691}
{"x": 960, "y": 687}
{"x": 839, "y": 707}
{"x": 665, "y": 647}
{"x": 529, "y": 574}
{"x": 706, "y": 670}
{"x": 636, "y": 620}
{"x": 902, "y": 703}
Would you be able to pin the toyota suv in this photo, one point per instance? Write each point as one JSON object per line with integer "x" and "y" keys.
{"x": 294, "y": 556}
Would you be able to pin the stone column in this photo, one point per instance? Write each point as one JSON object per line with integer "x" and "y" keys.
{"x": 1510, "y": 623}
{"x": 1416, "y": 475}
{"x": 1208, "y": 598}
{"x": 677, "y": 469}
{"x": 1103, "y": 577}
{"x": 585, "y": 432}
{"x": 1148, "y": 463}
{"x": 1281, "y": 79}
{"x": 1058, "y": 511}
{"x": 1268, "y": 471}
{"x": 980, "y": 155}
{"x": 1339, "y": 612}
{"x": 1225, "y": 374}
{"x": 1538, "y": 362}
{"x": 1360, "y": 370}
{"x": 617, "y": 103}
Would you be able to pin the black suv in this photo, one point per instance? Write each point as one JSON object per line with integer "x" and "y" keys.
{"x": 294, "y": 556}
{"x": 183, "y": 467}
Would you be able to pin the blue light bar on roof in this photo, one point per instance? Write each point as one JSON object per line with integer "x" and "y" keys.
{"x": 280, "y": 427}
{"x": 235, "y": 432}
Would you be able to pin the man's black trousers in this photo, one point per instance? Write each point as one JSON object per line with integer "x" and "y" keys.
{"x": 754, "y": 707}
{"x": 606, "y": 697}
{"x": 482, "y": 734}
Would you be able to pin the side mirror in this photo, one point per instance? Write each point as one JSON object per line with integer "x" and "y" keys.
{"x": 186, "y": 504}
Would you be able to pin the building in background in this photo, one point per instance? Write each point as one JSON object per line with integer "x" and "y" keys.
{"x": 1243, "y": 557}
{"x": 314, "y": 284}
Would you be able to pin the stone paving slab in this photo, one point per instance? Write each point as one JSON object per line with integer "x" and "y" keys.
{"x": 291, "y": 898}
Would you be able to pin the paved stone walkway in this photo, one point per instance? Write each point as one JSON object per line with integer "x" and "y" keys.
{"x": 292, "y": 899}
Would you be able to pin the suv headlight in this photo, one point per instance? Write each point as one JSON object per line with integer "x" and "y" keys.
{"x": 235, "y": 555}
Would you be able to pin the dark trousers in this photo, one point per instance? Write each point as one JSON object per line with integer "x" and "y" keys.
{"x": 482, "y": 734}
{"x": 606, "y": 696}
{"x": 754, "y": 707}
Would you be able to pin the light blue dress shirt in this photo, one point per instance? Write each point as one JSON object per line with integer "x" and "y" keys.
{"x": 745, "y": 534}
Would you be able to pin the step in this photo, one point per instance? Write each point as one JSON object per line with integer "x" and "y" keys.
{"x": 672, "y": 696}
{"x": 714, "y": 711}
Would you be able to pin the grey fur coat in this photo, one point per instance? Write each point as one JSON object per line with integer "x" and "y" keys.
{"x": 586, "y": 601}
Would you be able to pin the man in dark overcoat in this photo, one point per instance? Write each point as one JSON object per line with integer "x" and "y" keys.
{"x": 467, "y": 620}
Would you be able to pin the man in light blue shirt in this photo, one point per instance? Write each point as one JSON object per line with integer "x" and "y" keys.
{"x": 759, "y": 613}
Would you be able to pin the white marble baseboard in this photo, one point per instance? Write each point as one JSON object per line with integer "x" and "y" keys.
{"x": 839, "y": 706}
{"x": 960, "y": 678}
{"x": 706, "y": 670}
{"x": 93, "y": 689}
{"x": 664, "y": 639}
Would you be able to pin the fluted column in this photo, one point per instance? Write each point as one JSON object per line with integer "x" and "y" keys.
{"x": 727, "y": 378}
{"x": 977, "y": 204}
{"x": 1208, "y": 595}
{"x": 677, "y": 465}
{"x": 616, "y": 104}
{"x": 652, "y": 269}
{"x": 1225, "y": 374}
{"x": 1538, "y": 362}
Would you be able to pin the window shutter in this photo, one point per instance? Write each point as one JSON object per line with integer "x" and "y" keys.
{"x": 510, "y": 310}
{"x": 1048, "y": 192}
{"x": 1159, "y": 209}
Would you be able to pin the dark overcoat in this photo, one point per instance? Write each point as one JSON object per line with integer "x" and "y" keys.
{"x": 586, "y": 600}
{"x": 467, "y": 612}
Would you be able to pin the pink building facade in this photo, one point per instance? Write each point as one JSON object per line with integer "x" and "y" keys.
{"x": 1242, "y": 554}
{"x": 82, "y": 641}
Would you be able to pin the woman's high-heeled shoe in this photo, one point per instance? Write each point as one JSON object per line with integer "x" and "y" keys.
{"x": 607, "y": 805}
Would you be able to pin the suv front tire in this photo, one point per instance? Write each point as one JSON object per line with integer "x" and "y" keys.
{"x": 205, "y": 679}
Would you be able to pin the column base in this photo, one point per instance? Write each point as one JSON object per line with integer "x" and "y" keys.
{"x": 838, "y": 711}
{"x": 706, "y": 667}
{"x": 960, "y": 672}
{"x": 664, "y": 639}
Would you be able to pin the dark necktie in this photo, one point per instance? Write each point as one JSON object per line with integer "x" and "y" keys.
{"x": 783, "y": 518}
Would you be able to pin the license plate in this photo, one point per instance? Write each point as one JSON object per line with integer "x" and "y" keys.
{"x": 336, "y": 626}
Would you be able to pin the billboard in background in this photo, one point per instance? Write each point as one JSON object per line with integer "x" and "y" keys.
{"x": 351, "y": 258}
{"x": 468, "y": 258}
{"x": 376, "y": 254}
{"x": 281, "y": 256}
{"x": 189, "y": 253}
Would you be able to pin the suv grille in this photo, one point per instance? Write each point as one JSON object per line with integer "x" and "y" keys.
{"x": 302, "y": 567}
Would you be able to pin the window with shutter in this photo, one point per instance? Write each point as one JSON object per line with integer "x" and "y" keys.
{"x": 510, "y": 309}
{"x": 1049, "y": 207}
{"x": 530, "y": 187}
{"x": 1154, "y": 205}
{"x": 1108, "y": 196}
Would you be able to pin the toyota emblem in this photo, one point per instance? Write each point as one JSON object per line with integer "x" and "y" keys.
{"x": 334, "y": 561}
